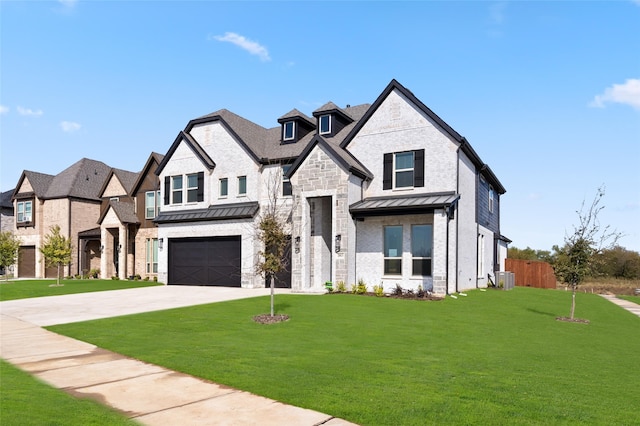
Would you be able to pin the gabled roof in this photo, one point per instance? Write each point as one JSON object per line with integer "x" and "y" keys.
{"x": 331, "y": 108}
{"x": 193, "y": 145}
{"x": 153, "y": 158}
{"x": 343, "y": 157}
{"x": 125, "y": 178}
{"x": 125, "y": 212}
{"x": 39, "y": 182}
{"x": 464, "y": 144}
{"x": 83, "y": 179}
{"x": 294, "y": 113}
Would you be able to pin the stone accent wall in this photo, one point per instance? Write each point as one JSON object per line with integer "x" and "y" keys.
{"x": 320, "y": 176}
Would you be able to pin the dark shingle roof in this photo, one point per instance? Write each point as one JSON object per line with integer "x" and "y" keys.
{"x": 39, "y": 182}
{"x": 83, "y": 179}
{"x": 125, "y": 212}
{"x": 5, "y": 199}
{"x": 126, "y": 178}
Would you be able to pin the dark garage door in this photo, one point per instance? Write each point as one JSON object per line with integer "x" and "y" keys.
{"x": 27, "y": 261}
{"x": 211, "y": 261}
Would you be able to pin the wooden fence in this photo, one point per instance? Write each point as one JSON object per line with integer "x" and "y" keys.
{"x": 531, "y": 273}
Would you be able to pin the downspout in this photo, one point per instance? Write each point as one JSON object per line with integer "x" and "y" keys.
{"x": 446, "y": 254}
{"x": 69, "y": 236}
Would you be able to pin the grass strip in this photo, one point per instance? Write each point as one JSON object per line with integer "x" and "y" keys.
{"x": 494, "y": 357}
{"x": 26, "y": 401}
{"x": 22, "y": 289}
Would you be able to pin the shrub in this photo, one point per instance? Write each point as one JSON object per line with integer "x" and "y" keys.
{"x": 378, "y": 290}
{"x": 146, "y": 278}
{"x": 94, "y": 273}
{"x": 361, "y": 287}
{"x": 354, "y": 288}
{"x": 115, "y": 277}
{"x": 341, "y": 287}
{"x": 420, "y": 292}
{"x": 398, "y": 291}
{"x": 155, "y": 279}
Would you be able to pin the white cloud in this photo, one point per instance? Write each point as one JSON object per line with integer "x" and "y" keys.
{"x": 69, "y": 126}
{"x": 4, "y": 109}
{"x": 250, "y": 46}
{"x": 29, "y": 112}
{"x": 627, "y": 93}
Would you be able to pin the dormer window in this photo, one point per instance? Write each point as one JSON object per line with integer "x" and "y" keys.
{"x": 325, "y": 124}
{"x": 289, "y": 131}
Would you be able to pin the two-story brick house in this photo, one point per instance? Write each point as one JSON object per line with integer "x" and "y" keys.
{"x": 69, "y": 199}
{"x": 388, "y": 193}
{"x": 127, "y": 234}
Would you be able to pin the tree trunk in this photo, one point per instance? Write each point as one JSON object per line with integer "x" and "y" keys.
{"x": 573, "y": 300}
{"x": 272, "y": 287}
{"x": 58, "y": 276}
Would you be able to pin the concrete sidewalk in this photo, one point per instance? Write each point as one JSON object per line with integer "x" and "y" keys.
{"x": 634, "y": 308}
{"x": 147, "y": 393}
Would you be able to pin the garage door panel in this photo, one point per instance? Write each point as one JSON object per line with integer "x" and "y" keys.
{"x": 213, "y": 261}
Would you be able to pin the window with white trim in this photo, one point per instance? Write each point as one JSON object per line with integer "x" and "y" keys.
{"x": 421, "y": 249}
{"x": 289, "y": 131}
{"x": 151, "y": 204}
{"x": 192, "y": 188}
{"x": 151, "y": 248}
{"x": 393, "y": 250}
{"x": 24, "y": 209}
{"x": 242, "y": 185}
{"x": 224, "y": 187}
{"x": 176, "y": 189}
{"x": 403, "y": 167}
{"x": 325, "y": 124}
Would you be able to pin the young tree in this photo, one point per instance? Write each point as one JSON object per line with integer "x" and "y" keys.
{"x": 577, "y": 258}
{"x": 9, "y": 245}
{"x": 271, "y": 231}
{"x": 56, "y": 250}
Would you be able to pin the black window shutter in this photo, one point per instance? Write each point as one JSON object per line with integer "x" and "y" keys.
{"x": 418, "y": 168}
{"x": 387, "y": 171}
{"x": 200, "y": 186}
{"x": 167, "y": 189}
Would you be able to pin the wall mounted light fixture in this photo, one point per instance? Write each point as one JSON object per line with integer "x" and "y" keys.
{"x": 160, "y": 243}
{"x": 297, "y": 244}
{"x": 338, "y": 240}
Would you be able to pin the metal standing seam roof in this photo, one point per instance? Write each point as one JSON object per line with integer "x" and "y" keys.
{"x": 219, "y": 212}
{"x": 402, "y": 205}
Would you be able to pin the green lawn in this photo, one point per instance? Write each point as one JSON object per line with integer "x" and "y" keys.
{"x": 634, "y": 299}
{"x": 494, "y": 357}
{"x": 22, "y": 289}
{"x": 26, "y": 401}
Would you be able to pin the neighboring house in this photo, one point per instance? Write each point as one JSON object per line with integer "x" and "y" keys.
{"x": 127, "y": 235}
{"x": 388, "y": 193}
{"x": 7, "y": 219}
{"x": 70, "y": 200}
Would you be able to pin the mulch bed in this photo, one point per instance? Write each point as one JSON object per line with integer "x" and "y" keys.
{"x": 268, "y": 319}
{"x": 578, "y": 320}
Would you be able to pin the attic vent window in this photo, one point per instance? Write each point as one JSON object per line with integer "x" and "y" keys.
{"x": 325, "y": 124}
{"x": 289, "y": 131}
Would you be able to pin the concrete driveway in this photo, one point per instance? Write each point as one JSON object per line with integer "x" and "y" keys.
{"x": 52, "y": 310}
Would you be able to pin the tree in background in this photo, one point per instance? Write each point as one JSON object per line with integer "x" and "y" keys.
{"x": 530, "y": 254}
{"x": 578, "y": 258}
{"x": 619, "y": 262}
{"x": 56, "y": 250}
{"x": 9, "y": 245}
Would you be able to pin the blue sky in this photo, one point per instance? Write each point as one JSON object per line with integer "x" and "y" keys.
{"x": 548, "y": 93}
